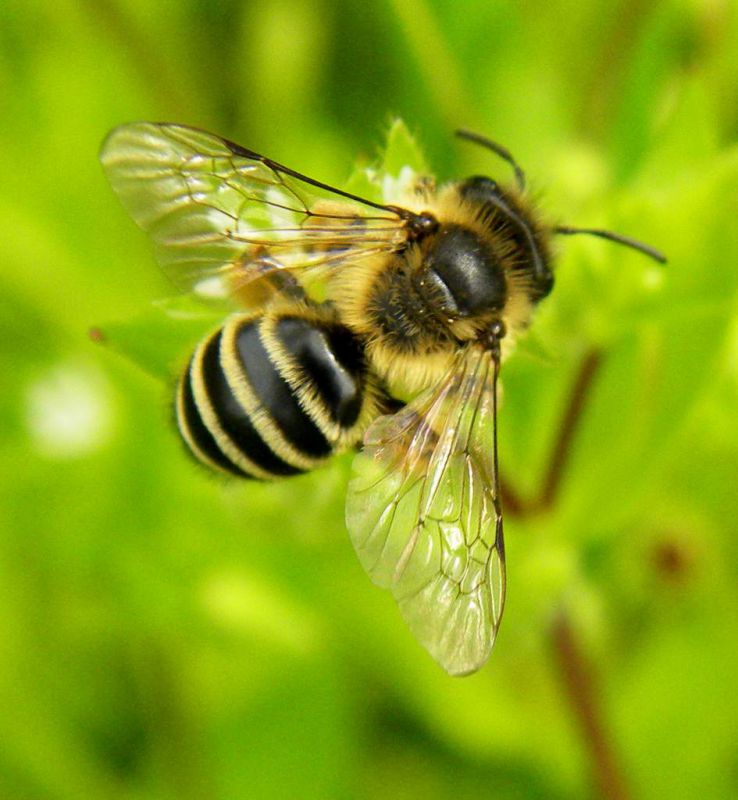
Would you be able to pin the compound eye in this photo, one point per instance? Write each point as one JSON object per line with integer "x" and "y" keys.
{"x": 544, "y": 284}
{"x": 443, "y": 294}
{"x": 479, "y": 189}
{"x": 466, "y": 272}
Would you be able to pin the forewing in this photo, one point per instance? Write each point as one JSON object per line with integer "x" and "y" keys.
{"x": 219, "y": 213}
{"x": 424, "y": 515}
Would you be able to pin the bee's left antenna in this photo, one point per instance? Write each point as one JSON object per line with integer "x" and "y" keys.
{"x": 497, "y": 149}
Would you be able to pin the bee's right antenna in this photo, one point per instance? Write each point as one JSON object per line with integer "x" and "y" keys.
{"x": 619, "y": 238}
{"x": 497, "y": 149}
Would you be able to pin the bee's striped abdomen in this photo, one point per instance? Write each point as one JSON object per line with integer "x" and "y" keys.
{"x": 273, "y": 394}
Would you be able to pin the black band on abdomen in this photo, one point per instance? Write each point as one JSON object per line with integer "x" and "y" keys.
{"x": 276, "y": 397}
{"x": 233, "y": 417}
{"x": 328, "y": 359}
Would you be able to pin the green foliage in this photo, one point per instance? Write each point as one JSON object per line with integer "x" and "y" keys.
{"x": 161, "y": 337}
{"x": 402, "y": 151}
{"x": 167, "y": 634}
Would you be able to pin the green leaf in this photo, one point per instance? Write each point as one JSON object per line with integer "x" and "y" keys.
{"x": 400, "y": 154}
{"x": 656, "y": 372}
{"x": 402, "y": 151}
{"x": 365, "y": 182}
{"x": 159, "y": 339}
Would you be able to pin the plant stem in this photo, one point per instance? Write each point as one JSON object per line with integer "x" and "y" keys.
{"x": 518, "y": 506}
{"x": 567, "y": 430}
{"x": 577, "y": 674}
{"x": 581, "y": 689}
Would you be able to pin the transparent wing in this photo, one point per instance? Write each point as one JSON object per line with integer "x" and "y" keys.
{"x": 424, "y": 515}
{"x": 219, "y": 213}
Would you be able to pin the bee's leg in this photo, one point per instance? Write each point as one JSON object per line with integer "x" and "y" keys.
{"x": 518, "y": 506}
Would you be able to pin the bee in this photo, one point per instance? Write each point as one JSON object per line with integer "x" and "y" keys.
{"x": 355, "y": 323}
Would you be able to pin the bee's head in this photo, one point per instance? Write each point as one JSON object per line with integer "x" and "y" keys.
{"x": 515, "y": 230}
{"x": 463, "y": 273}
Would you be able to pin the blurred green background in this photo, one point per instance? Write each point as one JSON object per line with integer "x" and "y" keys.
{"x": 167, "y": 635}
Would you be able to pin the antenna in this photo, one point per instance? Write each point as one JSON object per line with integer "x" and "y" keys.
{"x": 497, "y": 149}
{"x": 619, "y": 238}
